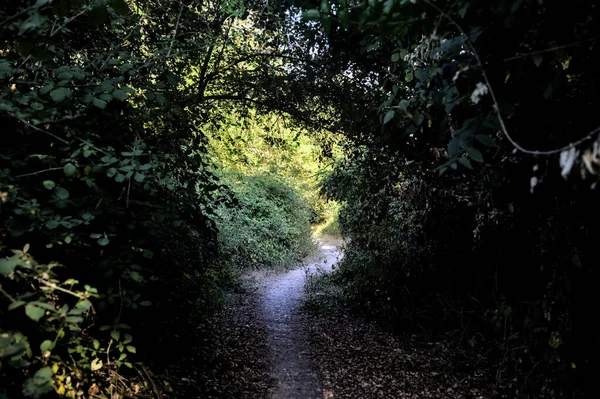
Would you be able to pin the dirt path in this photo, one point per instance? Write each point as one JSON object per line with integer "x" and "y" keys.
{"x": 293, "y": 373}
{"x": 263, "y": 345}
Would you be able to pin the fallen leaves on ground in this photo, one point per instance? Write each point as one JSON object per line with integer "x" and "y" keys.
{"x": 357, "y": 359}
{"x": 232, "y": 359}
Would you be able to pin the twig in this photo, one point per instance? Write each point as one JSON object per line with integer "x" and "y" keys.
{"x": 23, "y": 12}
{"x": 529, "y": 374}
{"x": 128, "y": 190}
{"x": 6, "y": 294}
{"x": 56, "y": 287}
{"x": 548, "y": 50}
{"x": 175, "y": 31}
{"x": 24, "y": 62}
{"x": 42, "y": 130}
{"x": 120, "y": 305}
{"x": 38, "y": 172}
{"x": 156, "y": 392}
{"x": 108, "y": 353}
{"x": 496, "y": 106}
{"x": 17, "y": 15}
{"x": 54, "y": 32}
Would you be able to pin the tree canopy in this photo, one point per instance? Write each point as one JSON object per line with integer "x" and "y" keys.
{"x": 141, "y": 142}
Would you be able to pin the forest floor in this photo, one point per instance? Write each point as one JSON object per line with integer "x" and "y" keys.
{"x": 266, "y": 345}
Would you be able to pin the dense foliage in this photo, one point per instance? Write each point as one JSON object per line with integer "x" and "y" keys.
{"x": 268, "y": 226}
{"x": 141, "y": 142}
{"x": 104, "y": 197}
{"x": 502, "y": 255}
{"x": 108, "y": 206}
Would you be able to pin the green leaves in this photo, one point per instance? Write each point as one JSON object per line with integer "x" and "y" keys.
{"x": 465, "y": 162}
{"x": 69, "y": 169}
{"x": 87, "y": 216}
{"x": 475, "y": 154}
{"x": 43, "y": 376}
{"x": 34, "y": 311}
{"x": 111, "y": 172}
{"x": 486, "y": 140}
{"x": 389, "y": 116}
{"x": 35, "y": 21}
{"x": 6, "y": 69}
{"x": 61, "y": 193}
{"x": 16, "y": 304}
{"x": 47, "y": 345}
{"x": 60, "y": 94}
{"x": 125, "y": 67}
{"x": 8, "y": 265}
{"x": 98, "y": 102}
{"x": 46, "y": 89}
{"x": 106, "y": 182}
{"x": 12, "y": 345}
{"x": 135, "y": 276}
{"x": 120, "y": 95}
{"x": 52, "y": 224}
{"x": 40, "y": 384}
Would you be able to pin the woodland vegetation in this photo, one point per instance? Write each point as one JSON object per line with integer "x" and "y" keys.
{"x": 151, "y": 151}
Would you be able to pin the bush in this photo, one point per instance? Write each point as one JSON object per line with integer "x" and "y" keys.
{"x": 511, "y": 272}
{"x": 268, "y": 223}
{"x": 328, "y": 220}
{"x": 104, "y": 203}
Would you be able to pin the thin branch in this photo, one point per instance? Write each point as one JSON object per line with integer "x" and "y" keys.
{"x": 108, "y": 354}
{"x": 22, "y": 12}
{"x": 548, "y": 50}
{"x": 496, "y": 106}
{"x": 265, "y": 55}
{"x": 175, "y": 32}
{"x": 25, "y": 62}
{"x": 204, "y": 78}
{"x": 42, "y": 130}
{"x": 59, "y": 288}
{"x": 318, "y": 123}
{"x": 6, "y": 294}
{"x": 156, "y": 392}
{"x": 48, "y": 170}
{"x": 39, "y": 171}
{"x": 54, "y": 32}
{"x": 128, "y": 191}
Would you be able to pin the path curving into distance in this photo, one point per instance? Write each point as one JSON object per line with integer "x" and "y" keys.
{"x": 293, "y": 373}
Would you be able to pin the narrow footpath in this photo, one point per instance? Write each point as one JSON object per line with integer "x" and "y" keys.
{"x": 292, "y": 371}
{"x": 265, "y": 345}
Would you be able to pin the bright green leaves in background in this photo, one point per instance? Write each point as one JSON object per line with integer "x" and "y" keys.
{"x": 274, "y": 171}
